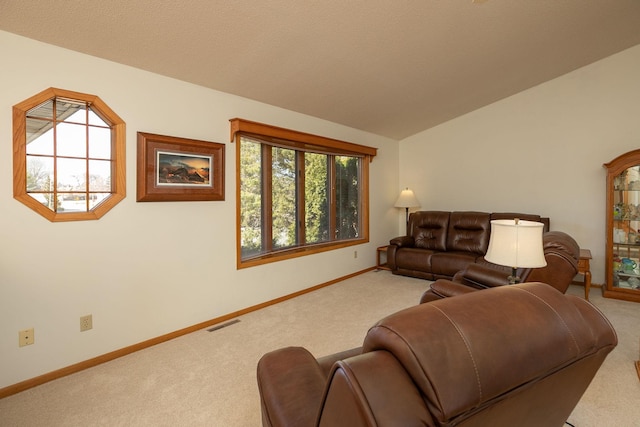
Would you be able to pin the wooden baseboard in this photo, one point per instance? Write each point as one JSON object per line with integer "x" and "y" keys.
{"x": 72, "y": 369}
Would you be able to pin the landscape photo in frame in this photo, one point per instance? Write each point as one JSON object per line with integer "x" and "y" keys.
{"x": 176, "y": 169}
{"x": 179, "y": 169}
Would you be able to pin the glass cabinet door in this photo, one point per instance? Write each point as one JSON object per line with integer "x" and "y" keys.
{"x": 623, "y": 228}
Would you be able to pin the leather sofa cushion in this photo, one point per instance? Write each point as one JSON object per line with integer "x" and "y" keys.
{"x": 429, "y": 229}
{"x": 450, "y": 262}
{"x": 469, "y": 232}
{"x": 415, "y": 259}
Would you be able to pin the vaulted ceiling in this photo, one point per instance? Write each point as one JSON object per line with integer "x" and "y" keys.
{"x": 390, "y": 67}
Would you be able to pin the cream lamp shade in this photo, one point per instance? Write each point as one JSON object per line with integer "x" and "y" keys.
{"x": 516, "y": 243}
{"x": 407, "y": 200}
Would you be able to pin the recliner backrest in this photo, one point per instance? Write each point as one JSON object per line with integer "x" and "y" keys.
{"x": 429, "y": 229}
{"x": 469, "y": 232}
{"x": 466, "y": 355}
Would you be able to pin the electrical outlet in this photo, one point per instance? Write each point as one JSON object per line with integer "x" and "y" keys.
{"x": 26, "y": 337}
{"x": 355, "y": 254}
{"x": 86, "y": 323}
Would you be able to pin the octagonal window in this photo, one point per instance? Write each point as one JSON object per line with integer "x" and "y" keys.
{"x": 69, "y": 161}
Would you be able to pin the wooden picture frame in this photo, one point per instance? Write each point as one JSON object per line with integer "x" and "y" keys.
{"x": 172, "y": 169}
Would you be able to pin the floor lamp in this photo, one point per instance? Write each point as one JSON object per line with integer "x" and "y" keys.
{"x": 407, "y": 200}
{"x": 517, "y": 244}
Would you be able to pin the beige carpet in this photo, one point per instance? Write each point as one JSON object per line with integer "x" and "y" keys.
{"x": 208, "y": 378}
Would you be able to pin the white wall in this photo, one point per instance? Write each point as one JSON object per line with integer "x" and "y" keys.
{"x": 540, "y": 151}
{"x": 145, "y": 269}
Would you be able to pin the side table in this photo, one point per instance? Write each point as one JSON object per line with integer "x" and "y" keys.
{"x": 382, "y": 265}
{"x": 585, "y": 269}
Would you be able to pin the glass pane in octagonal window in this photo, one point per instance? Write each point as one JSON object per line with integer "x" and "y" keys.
{"x": 99, "y": 175}
{"x": 71, "y": 111}
{"x": 99, "y": 143}
{"x": 44, "y": 110}
{"x": 72, "y": 174}
{"x": 39, "y": 173}
{"x": 72, "y": 202}
{"x": 96, "y": 198}
{"x": 46, "y": 199}
{"x": 71, "y": 140}
{"x": 96, "y": 120}
{"x": 39, "y": 137}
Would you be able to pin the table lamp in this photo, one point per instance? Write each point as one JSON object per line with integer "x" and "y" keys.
{"x": 407, "y": 200}
{"x": 517, "y": 244}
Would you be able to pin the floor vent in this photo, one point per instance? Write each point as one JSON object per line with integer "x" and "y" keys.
{"x": 224, "y": 325}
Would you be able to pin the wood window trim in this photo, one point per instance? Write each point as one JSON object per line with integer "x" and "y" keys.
{"x": 300, "y": 141}
{"x": 118, "y": 135}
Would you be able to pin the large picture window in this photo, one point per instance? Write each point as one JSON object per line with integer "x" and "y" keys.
{"x": 297, "y": 193}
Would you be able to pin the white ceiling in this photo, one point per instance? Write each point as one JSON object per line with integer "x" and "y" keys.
{"x": 390, "y": 67}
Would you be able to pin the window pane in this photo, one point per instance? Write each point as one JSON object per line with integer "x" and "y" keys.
{"x": 99, "y": 175}
{"x": 316, "y": 193}
{"x": 72, "y": 202}
{"x": 72, "y": 174}
{"x": 71, "y": 140}
{"x": 71, "y": 111}
{"x": 45, "y": 198}
{"x": 94, "y": 119}
{"x": 347, "y": 199}
{"x": 39, "y": 137}
{"x": 250, "y": 198}
{"x": 99, "y": 143}
{"x": 39, "y": 173}
{"x": 284, "y": 197}
{"x": 44, "y": 110}
{"x": 96, "y": 198}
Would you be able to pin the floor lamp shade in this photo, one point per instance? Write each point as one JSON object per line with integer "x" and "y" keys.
{"x": 516, "y": 243}
{"x": 407, "y": 200}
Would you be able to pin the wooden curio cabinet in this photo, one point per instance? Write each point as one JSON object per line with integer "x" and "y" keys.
{"x": 623, "y": 228}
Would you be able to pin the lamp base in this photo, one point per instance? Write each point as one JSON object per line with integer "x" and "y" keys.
{"x": 513, "y": 279}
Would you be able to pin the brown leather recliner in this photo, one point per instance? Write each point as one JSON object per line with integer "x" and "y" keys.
{"x": 561, "y": 252}
{"x": 456, "y": 361}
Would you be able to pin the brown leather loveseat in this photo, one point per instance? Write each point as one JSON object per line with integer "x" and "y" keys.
{"x": 456, "y": 361}
{"x": 439, "y": 244}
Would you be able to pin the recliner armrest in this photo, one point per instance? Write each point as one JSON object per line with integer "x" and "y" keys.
{"x": 481, "y": 276}
{"x": 291, "y": 384}
{"x": 443, "y": 288}
{"x": 403, "y": 241}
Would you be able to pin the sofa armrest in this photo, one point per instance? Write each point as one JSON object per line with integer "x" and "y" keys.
{"x": 402, "y": 241}
{"x": 291, "y": 384}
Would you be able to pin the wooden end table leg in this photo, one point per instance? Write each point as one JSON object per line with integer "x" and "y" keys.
{"x": 587, "y": 284}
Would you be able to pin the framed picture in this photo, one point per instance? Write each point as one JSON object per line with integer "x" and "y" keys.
{"x": 179, "y": 169}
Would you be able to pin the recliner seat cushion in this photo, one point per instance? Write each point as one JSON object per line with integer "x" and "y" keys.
{"x": 415, "y": 259}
